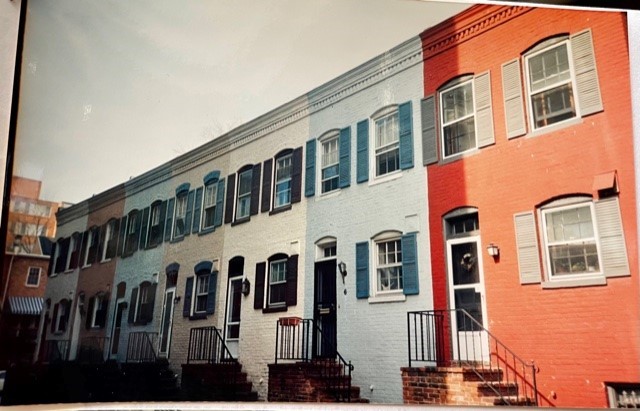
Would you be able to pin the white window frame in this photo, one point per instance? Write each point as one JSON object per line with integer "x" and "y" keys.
{"x": 108, "y": 236}
{"x": 72, "y": 245}
{"x": 546, "y": 243}
{"x": 277, "y": 282}
{"x": 61, "y": 313}
{"x": 26, "y": 282}
{"x": 571, "y": 81}
{"x": 200, "y": 289}
{"x": 284, "y": 163}
{"x": 142, "y": 298}
{"x": 209, "y": 208}
{"x": 330, "y": 138}
{"x": 180, "y": 213}
{"x": 444, "y": 123}
{"x": 244, "y": 199}
{"x": 326, "y": 244}
{"x": 376, "y": 151}
{"x": 386, "y": 238}
{"x": 97, "y": 303}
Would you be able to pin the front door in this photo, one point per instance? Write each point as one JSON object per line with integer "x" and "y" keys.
{"x": 167, "y": 321}
{"x": 115, "y": 336}
{"x": 324, "y": 313}
{"x": 232, "y": 334}
{"x": 466, "y": 291}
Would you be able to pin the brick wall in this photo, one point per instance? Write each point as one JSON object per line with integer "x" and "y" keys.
{"x": 440, "y": 386}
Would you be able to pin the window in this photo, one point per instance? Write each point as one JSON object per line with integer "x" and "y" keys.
{"x": 142, "y": 302}
{"x": 110, "y": 240}
{"x": 156, "y": 222}
{"x": 570, "y": 240}
{"x": 202, "y": 292}
{"x": 387, "y": 146}
{"x": 389, "y": 265}
{"x": 209, "y": 205}
{"x": 330, "y": 166}
{"x": 76, "y": 240}
{"x": 550, "y": 85}
{"x": 326, "y": 248}
{"x": 277, "y": 282}
{"x": 458, "y": 119}
{"x": 33, "y": 277}
{"x": 623, "y": 395}
{"x": 60, "y": 316}
{"x": 97, "y": 311}
{"x": 282, "y": 181}
{"x": 244, "y": 194}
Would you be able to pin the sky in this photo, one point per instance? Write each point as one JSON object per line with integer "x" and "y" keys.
{"x": 111, "y": 89}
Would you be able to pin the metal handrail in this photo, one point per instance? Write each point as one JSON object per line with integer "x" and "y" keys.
{"x": 428, "y": 341}
{"x": 55, "y": 350}
{"x": 92, "y": 349}
{"x": 206, "y": 344}
{"x": 141, "y": 347}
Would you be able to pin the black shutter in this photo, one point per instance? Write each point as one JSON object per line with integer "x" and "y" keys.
{"x": 132, "y": 304}
{"x": 52, "y": 259}
{"x": 136, "y": 235}
{"x": 144, "y": 228}
{"x": 89, "y": 312}
{"x": 54, "y": 318}
{"x": 211, "y": 296}
{"x": 163, "y": 216}
{"x": 266, "y": 186}
{"x": 255, "y": 189}
{"x": 101, "y": 314}
{"x": 258, "y": 298}
{"x": 188, "y": 291}
{"x": 83, "y": 248}
{"x": 292, "y": 281}
{"x": 296, "y": 175}
{"x": 111, "y": 244}
{"x": 169, "y": 223}
{"x": 189, "y": 214}
{"x": 103, "y": 234}
{"x": 122, "y": 235}
{"x": 146, "y": 309}
{"x": 231, "y": 190}
{"x": 67, "y": 311}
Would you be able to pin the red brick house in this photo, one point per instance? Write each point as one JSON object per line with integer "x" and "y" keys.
{"x": 528, "y": 150}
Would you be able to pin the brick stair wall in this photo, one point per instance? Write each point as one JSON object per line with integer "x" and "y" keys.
{"x": 216, "y": 382}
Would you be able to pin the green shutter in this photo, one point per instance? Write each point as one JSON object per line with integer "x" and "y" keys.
{"x": 611, "y": 234}
{"x": 410, "y": 264}
{"x": 405, "y": 117}
{"x": 197, "y": 211}
{"x": 211, "y": 296}
{"x": 527, "y": 244}
{"x": 584, "y": 64}
{"x": 169, "y": 222}
{"x": 512, "y": 94}
{"x": 429, "y": 135}
{"x": 345, "y": 158}
{"x": 310, "y": 169}
{"x": 484, "y": 111}
{"x": 362, "y": 166}
{"x": 217, "y": 222}
{"x": 362, "y": 270}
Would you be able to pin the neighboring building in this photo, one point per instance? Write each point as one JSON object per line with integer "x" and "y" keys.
{"x": 530, "y": 157}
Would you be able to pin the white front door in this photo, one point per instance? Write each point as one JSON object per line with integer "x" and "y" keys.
{"x": 466, "y": 291}
{"x": 167, "y": 320}
{"x": 232, "y": 332}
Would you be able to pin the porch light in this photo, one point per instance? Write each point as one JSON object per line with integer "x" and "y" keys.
{"x": 246, "y": 287}
{"x": 493, "y": 250}
{"x": 342, "y": 267}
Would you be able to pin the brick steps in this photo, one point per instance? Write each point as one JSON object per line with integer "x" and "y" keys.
{"x": 216, "y": 382}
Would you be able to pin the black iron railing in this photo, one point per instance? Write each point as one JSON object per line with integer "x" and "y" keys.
{"x": 141, "y": 347}
{"x": 433, "y": 339}
{"x": 300, "y": 339}
{"x": 206, "y": 345}
{"x": 92, "y": 349}
{"x": 54, "y": 351}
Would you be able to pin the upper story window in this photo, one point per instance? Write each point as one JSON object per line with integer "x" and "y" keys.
{"x": 243, "y": 204}
{"x": 329, "y": 163}
{"x": 33, "y": 277}
{"x": 133, "y": 232}
{"x": 76, "y": 242}
{"x": 209, "y": 205}
{"x": 93, "y": 236}
{"x": 550, "y": 85}
{"x": 458, "y": 119}
{"x": 387, "y": 144}
{"x": 282, "y": 195}
{"x": 157, "y": 216}
{"x": 110, "y": 240}
{"x": 181, "y": 214}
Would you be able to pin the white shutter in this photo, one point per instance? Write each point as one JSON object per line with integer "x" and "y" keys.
{"x": 612, "y": 245}
{"x": 484, "y": 112}
{"x": 429, "y": 135}
{"x": 512, "y": 93}
{"x": 527, "y": 243}
{"x": 584, "y": 64}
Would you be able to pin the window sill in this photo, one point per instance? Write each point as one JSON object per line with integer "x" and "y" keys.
{"x": 280, "y": 209}
{"x": 32, "y": 285}
{"x": 387, "y": 298}
{"x": 455, "y": 157}
{"x": 241, "y": 221}
{"x": 207, "y": 230}
{"x": 329, "y": 194}
{"x": 277, "y": 309}
{"x": 554, "y": 127}
{"x": 105, "y": 260}
{"x": 575, "y": 282}
{"x": 151, "y": 246}
{"x": 177, "y": 239}
{"x": 385, "y": 178}
{"x": 198, "y": 316}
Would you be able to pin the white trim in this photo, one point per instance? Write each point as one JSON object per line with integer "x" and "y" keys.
{"x": 326, "y": 137}
{"x": 26, "y": 281}
{"x": 383, "y": 113}
{"x": 442, "y": 124}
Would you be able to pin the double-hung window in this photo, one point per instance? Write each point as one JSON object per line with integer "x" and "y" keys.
{"x": 181, "y": 213}
{"x": 201, "y": 294}
{"x": 92, "y": 249}
{"x": 200, "y": 291}
{"x": 33, "y": 277}
{"x": 330, "y": 165}
{"x": 458, "y": 119}
{"x": 387, "y": 144}
{"x": 209, "y": 205}
{"x": 156, "y": 223}
{"x": 282, "y": 181}
{"x": 277, "y": 282}
{"x": 550, "y": 85}
{"x": 244, "y": 194}
{"x": 389, "y": 265}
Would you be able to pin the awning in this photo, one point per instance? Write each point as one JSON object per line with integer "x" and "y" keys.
{"x": 25, "y": 305}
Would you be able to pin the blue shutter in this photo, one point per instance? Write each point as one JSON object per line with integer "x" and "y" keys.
{"x": 310, "y": 169}
{"x": 211, "y": 296}
{"x": 189, "y": 214}
{"x": 363, "y": 151}
{"x": 197, "y": 211}
{"x": 143, "y": 228}
{"x": 188, "y": 291}
{"x": 410, "y": 264}
{"x": 362, "y": 269}
{"x": 217, "y": 222}
{"x": 406, "y": 135}
{"x": 169, "y": 224}
{"x": 345, "y": 157}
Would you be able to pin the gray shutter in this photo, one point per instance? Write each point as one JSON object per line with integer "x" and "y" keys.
{"x": 310, "y": 169}
{"x": 429, "y": 135}
{"x": 612, "y": 245}
{"x": 362, "y": 166}
{"x": 527, "y": 243}
{"x": 217, "y": 222}
{"x": 584, "y": 64}
{"x": 405, "y": 118}
{"x": 484, "y": 110}
{"x": 345, "y": 157}
{"x": 296, "y": 175}
{"x": 211, "y": 295}
{"x": 362, "y": 269}
{"x": 169, "y": 222}
{"x": 266, "y": 186}
{"x": 255, "y": 189}
{"x": 410, "y": 264}
{"x": 197, "y": 211}
{"x": 189, "y": 214}
{"x": 512, "y": 93}
{"x": 258, "y": 297}
{"x": 231, "y": 191}
{"x": 188, "y": 291}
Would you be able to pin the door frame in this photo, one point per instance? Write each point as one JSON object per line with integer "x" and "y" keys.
{"x": 238, "y": 277}
{"x": 318, "y": 350}
{"x": 170, "y": 325}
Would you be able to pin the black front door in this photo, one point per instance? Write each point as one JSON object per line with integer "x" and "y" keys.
{"x": 324, "y": 313}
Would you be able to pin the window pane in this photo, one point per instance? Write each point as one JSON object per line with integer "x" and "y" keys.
{"x": 457, "y": 103}
{"x": 244, "y": 185}
{"x": 459, "y": 136}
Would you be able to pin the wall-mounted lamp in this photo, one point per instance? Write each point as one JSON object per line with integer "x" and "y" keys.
{"x": 342, "y": 267}
{"x": 493, "y": 250}
{"x": 246, "y": 287}
{"x": 176, "y": 299}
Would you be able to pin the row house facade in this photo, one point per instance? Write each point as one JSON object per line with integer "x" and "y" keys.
{"x": 351, "y": 224}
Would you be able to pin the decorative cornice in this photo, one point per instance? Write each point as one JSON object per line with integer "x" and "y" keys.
{"x": 467, "y": 25}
